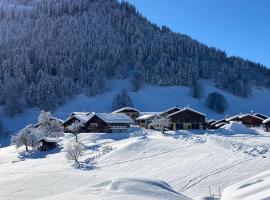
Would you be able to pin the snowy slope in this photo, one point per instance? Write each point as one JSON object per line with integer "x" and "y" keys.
{"x": 150, "y": 98}
{"x": 151, "y": 166}
{"x": 257, "y": 187}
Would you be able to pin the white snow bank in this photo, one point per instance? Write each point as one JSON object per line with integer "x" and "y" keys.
{"x": 235, "y": 128}
{"x": 257, "y": 187}
{"x": 145, "y": 189}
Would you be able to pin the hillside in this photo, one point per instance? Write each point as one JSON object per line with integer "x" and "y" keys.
{"x": 149, "y": 98}
{"x": 140, "y": 164}
{"x": 51, "y": 50}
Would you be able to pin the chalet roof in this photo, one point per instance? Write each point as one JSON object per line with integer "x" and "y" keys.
{"x": 232, "y": 118}
{"x": 266, "y": 121}
{"x": 147, "y": 116}
{"x": 261, "y": 115}
{"x": 49, "y": 140}
{"x": 125, "y": 108}
{"x": 218, "y": 122}
{"x": 219, "y": 125}
{"x": 170, "y": 109}
{"x": 81, "y": 116}
{"x": 250, "y": 115}
{"x": 114, "y": 118}
{"x": 185, "y": 109}
{"x": 51, "y": 119}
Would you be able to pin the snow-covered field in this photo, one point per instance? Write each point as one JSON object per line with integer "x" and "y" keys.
{"x": 150, "y": 98}
{"x": 142, "y": 164}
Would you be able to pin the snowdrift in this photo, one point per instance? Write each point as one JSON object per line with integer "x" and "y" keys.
{"x": 235, "y": 128}
{"x": 257, "y": 187}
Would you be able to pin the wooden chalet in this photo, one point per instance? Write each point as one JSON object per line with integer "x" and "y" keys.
{"x": 47, "y": 144}
{"x": 108, "y": 123}
{"x": 248, "y": 120}
{"x": 266, "y": 125}
{"x": 146, "y": 119}
{"x": 80, "y": 117}
{"x": 187, "y": 118}
{"x": 131, "y": 112}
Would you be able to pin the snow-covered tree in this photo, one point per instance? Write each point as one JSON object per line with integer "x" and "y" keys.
{"x": 73, "y": 151}
{"x": 136, "y": 82}
{"x": 75, "y": 129}
{"x": 197, "y": 90}
{"x": 217, "y": 102}
{"x": 49, "y": 126}
{"x": 161, "y": 123}
{"x": 121, "y": 100}
{"x": 26, "y": 137}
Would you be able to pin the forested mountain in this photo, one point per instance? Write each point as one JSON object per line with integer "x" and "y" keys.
{"x": 53, "y": 49}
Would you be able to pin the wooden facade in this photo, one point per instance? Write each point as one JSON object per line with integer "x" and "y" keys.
{"x": 250, "y": 120}
{"x": 76, "y": 118}
{"x": 187, "y": 119}
{"x": 99, "y": 123}
{"x": 47, "y": 144}
{"x": 131, "y": 112}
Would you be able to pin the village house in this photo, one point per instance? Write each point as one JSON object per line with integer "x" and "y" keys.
{"x": 51, "y": 120}
{"x": 248, "y": 120}
{"x": 79, "y": 117}
{"x": 108, "y": 123}
{"x": 187, "y": 118}
{"x": 131, "y": 112}
{"x": 266, "y": 125}
{"x": 146, "y": 118}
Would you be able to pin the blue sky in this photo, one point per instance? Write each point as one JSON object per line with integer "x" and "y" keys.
{"x": 240, "y": 27}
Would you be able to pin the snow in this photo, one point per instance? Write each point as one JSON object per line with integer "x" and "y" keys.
{"x": 257, "y": 187}
{"x": 236, "y": 128}
{"x": 114, "y": 118}
{"x": 149, "y": 99}
{"x": 249, "y": 115}
{"x": 266, "y": 121}
{"x": 125, "y": 108}
{"x": 137, "y": 166}
{"x": 81, "y": 116}
{"x": 146, "y": 116}
{"x": 47, "y": 139}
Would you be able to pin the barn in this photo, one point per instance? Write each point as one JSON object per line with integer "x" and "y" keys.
{"x": 108, "y": 123}
{"x": 266, "y": 125}
{"x": 47, "y": 144}
{"x": 188, "y": 118}
{"x": 80, "y": 117}
{"x": 131, "y": 112}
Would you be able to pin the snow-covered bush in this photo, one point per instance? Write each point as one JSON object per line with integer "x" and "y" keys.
{"x": 26, "y": 137}
{"x": 217, "y": 102}
{"x": 73, "y": 151}
{"x": 161, "y": 123}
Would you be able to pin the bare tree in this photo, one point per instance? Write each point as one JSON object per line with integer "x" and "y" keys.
{"x": 161, "y": 123}
{"x": 74, "y": 151}
{"x": 75, "y": 129}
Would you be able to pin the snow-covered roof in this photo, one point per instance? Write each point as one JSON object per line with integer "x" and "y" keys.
{"x": 266, "y": 121}
{"x": 220, "y": 124}
{"x": 81, "y": 116}
{"x": 48, "y": 139}
{"x": 184, "y": 109}
{"x": 115, "y": 118}
{"x": 245, "y": 115}
{"x": 168, "y": 110}
{"x": 147, "y": 116}
{"x": 125, "y": 108}
{"x": 261, "y": 115}
{"x": 232, "y": 118}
